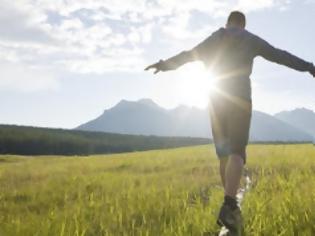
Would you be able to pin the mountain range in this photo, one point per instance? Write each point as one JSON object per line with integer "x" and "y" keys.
{"x": 148, "y": 118}
{"x": 301, "y": 118}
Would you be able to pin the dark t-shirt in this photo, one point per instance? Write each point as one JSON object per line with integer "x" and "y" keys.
{"x": 230, "y": 52}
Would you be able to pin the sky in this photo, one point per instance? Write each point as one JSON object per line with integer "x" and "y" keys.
{"x": 63, "y": 62}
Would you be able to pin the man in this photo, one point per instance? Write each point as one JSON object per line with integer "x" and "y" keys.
{"x": 230, "y": 52}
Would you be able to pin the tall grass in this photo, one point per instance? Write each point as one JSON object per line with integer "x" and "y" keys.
{"x": 162, "y": 192}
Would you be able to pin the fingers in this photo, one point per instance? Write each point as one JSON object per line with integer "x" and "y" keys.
{"x": 148, "y": 68}
{"x": 157, "y": 66}
{"x": 156, "y": 71}
{"x": 153, "y": 66}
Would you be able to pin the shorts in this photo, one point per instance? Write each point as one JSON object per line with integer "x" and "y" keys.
{"x": 230, "y": 122}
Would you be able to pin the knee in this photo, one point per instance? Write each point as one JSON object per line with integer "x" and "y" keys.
{"x": 222, "y": 150}
{"x": 237, "y": 158}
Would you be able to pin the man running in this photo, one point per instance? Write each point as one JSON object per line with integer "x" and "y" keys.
{"x": 230, "y": 52}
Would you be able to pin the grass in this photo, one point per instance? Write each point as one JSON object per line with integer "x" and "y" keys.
{"x": 161, "y": 192}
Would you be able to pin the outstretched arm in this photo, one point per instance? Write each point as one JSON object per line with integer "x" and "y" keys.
{"x": 173, "y": 62}
{"x": 282, "y": 57}
{"x": 199, "y": 52}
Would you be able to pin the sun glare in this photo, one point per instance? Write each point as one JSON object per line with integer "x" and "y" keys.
{"x": 196, "y": 84}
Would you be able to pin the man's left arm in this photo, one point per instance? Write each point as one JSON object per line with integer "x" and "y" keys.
{"x": 282, "y": 57}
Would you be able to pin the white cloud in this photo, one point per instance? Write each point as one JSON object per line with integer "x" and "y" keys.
{"x": 116, "y": 60}
{"x": 71, "y": 24}
{"x": 249, "y": 5}
{"x": 22, "y": 24}
{"x": 19, "y": 77}
{"x": 87, "y": 36}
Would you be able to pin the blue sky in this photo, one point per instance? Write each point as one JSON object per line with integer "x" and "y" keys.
{"x": 63, "y": 62}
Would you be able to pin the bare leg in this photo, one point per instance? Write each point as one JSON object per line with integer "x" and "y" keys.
{"x": 230, "y": 214}
{"x": 233, "y": 174}
{"x": 223, "y": 162}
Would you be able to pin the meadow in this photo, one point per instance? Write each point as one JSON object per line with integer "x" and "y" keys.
{"x": 160, "y": 192}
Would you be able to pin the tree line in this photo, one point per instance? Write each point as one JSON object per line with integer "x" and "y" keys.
{"x": 23, "y": 140}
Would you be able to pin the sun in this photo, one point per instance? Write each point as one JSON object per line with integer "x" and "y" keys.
{"x": 196, "y": 84}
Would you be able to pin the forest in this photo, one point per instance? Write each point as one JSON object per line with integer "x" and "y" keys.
{"x": 23, "y": 140}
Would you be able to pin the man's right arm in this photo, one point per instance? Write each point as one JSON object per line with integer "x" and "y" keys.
{"x": 199, "y": 52}
{"x": 282, "y": 57}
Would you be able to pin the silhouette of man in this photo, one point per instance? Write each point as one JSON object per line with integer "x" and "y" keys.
{"x": 230, "y": 52}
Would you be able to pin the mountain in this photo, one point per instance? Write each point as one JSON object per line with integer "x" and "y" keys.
{"x": 147, "y": 118}
{"x": 303, "y": 119}
{"x": 267, "y": 128}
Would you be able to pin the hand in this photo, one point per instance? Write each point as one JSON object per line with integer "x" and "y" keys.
{"x": 157, "y": 66}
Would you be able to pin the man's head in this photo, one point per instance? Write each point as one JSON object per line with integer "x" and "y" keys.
{"x": 236, "y": 19}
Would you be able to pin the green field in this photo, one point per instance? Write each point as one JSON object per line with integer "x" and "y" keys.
{"x": 164, "y": 192}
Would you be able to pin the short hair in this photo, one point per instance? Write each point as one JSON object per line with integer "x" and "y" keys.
{"x": 236, "y": 18}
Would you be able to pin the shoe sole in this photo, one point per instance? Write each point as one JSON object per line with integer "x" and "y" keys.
{"x": 230, "y": 227}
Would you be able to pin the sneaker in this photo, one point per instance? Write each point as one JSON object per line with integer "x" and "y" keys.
{"x": 231, "y": 219}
